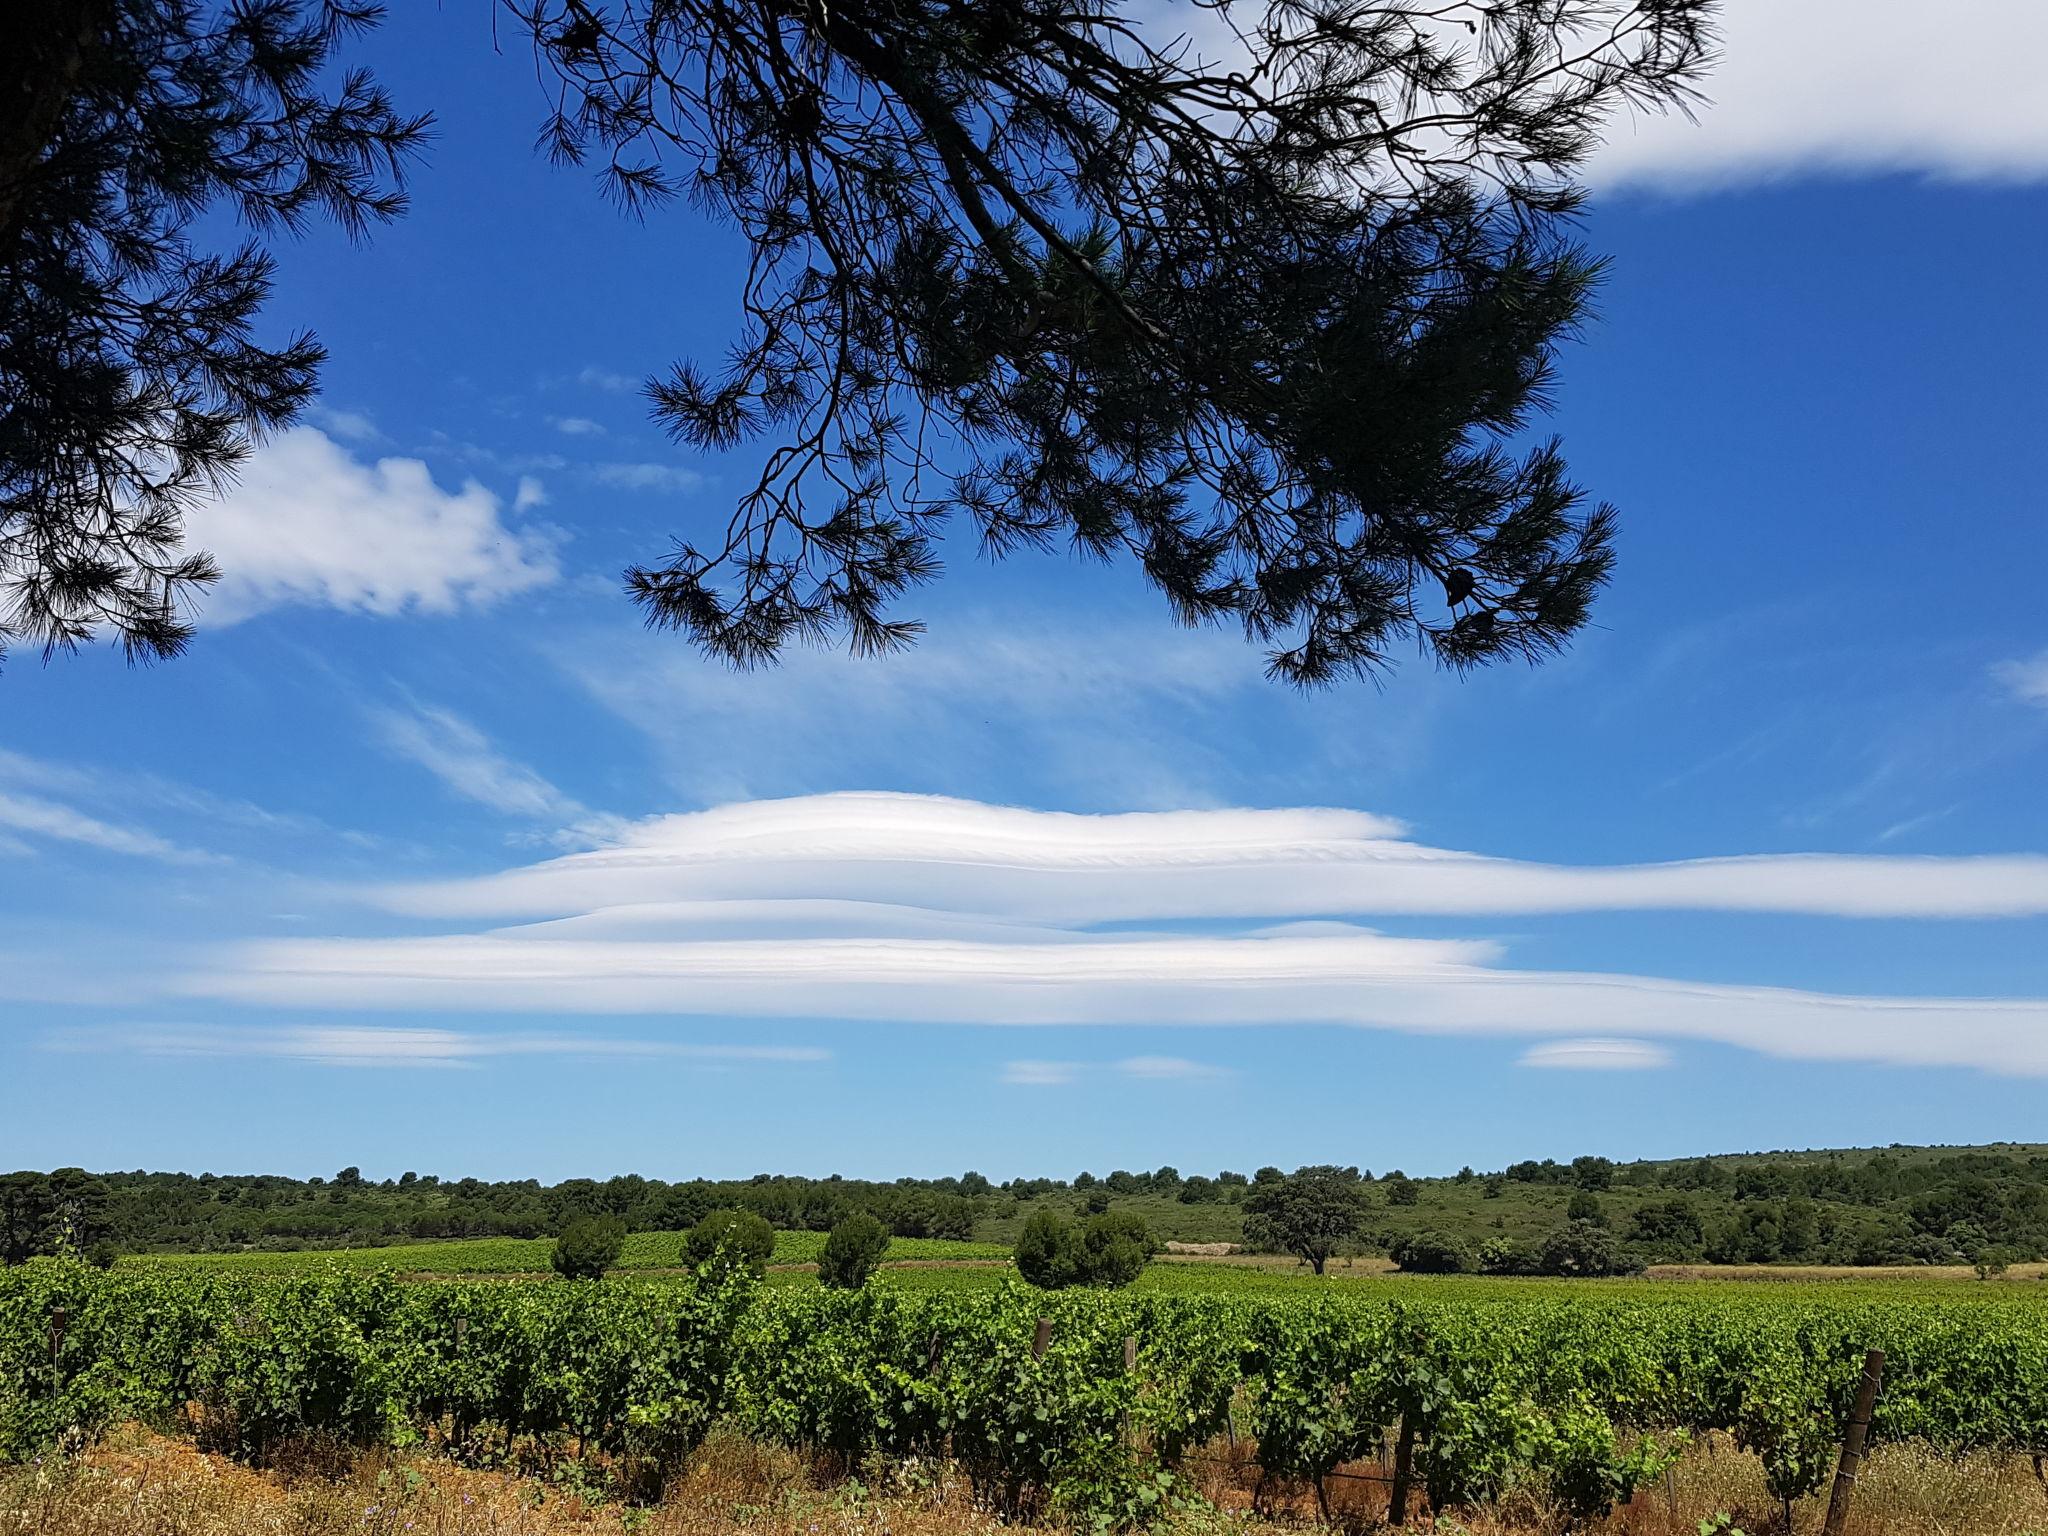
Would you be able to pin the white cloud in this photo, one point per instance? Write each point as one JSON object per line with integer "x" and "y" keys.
{"x": 1069, "y": 870}
{"x": 1060, "y": 1074}
{"x": 1039, "y": 1074}
{"x": 377, "y": 1046}
{"x": 63, "y": 823}
{"x": 462, "y": 757}
{"x": 2028, "y": 679}
{"x": 1597, "y": 1055}
{"x": 308, "y": 524}
{"x": 910, "y": 909}
{"x": 1857, "y": 86}
{"x": 531, "y": 494}
{"x": 576, "y": 426}
{"x": 647, "y": 477}
{"x": 1827, "y": 86}
{"x": 465, "y": 760}
{"x": 354, "y": 426}
{"x": 607, "y": 379}
{"x": 1166, "y": 1069}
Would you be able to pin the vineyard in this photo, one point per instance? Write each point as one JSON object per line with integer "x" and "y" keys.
{"x": 651, "y": 1251}
{"x": 1089, "y": 1414}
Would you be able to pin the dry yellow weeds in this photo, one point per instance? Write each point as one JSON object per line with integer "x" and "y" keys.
{"x": 138, "y": 1484}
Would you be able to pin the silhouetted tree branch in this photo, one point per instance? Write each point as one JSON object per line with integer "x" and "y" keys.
{"x": 1265, "y": 314}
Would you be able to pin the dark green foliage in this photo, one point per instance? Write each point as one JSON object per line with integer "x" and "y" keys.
{"x": 1431, "y": 1253}
{"x": 26, "y": 1212}
{"x": 130, "y": 382}
{"x": 1309, "y": 1213}
{"x": 1897, "y": 1206}
{"x": 1048, "y": 1251}
{"x": 1592, "y": 1172}
{"x": 1500, "y": 1256}
{"x": 1109, "y": 1250}
{"x": 1403, "y": 1191}
{"x": 63, "y": 1212}
{"x": 1667, "y": 1225}
{"x": 1115, "y": 1247}
{"x": 1274, "y": 333}
{"x": 588, "y": 1247}
{"x": 1585, "y": 1206}
{"x": 1578, "y": 1248}
{"x": 741, "y": 1236}
{"x": 853, "y": 1249}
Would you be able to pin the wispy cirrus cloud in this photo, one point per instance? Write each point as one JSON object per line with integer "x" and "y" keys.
{"x": 1597, "y": 1056}
{"x": 379, "y": 1046}
{"x": 1029, "y": 1073}
{"x": 53, "y": 820}
{"x": 2026, "y": 679}
{"x": 464, "y": 759}
{"x": 923, "y": 910}
{"x": 622, "y": 475}
{"x": 469, "y": 764}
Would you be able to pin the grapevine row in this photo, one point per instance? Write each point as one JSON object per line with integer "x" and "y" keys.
{"x": 1588, "y": 1391}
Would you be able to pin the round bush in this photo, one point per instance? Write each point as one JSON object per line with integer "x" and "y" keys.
{"x": 853, "y": 1249}
{"x": 1048, "y": 1252}
{"x": 588, "y": 1247}
{"x": 744, "y": 1237}
{"x": 1431, "y": 1253}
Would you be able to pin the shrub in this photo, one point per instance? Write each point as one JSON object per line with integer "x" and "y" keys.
{"x": 1115, "y": 1247}
{"x": 1109, "y": 1249}
{"x": 852, "y": 1251}
{"x": 1578, "y": 1248}
{"x": 1502, "y": 1256}
{"x": 588, "y": 1247}
{"x": 1431, "y": 1253}
{"x": 1048, "y": 1251}
{"x": 745, "y": 1238}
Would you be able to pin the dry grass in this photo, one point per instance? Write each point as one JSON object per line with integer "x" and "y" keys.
{"x": 1809, "y": 1273}
{"x": 138, "y": 1484}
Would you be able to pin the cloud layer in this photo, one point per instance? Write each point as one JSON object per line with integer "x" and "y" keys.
{"x": 382, "y": 1046}
{"x": 918, "y": 909}
{"x": 1855, "y": 86}
{"x": 962, "y": 856}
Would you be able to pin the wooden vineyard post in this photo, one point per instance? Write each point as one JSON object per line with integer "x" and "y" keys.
{"x": 1852, "y": 1443}
{"x": 58, "y": 1319}
{"x": 1404, "y": 1468}
{"x": 1041, "y": 1341}
{"x": 931, "y": 1355}
{"x": 1130, "y": 1369}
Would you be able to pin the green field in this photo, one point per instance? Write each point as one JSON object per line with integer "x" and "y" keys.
{"x": 526, "y": 1256}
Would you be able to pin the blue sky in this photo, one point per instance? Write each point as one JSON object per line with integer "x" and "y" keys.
{"x": 427, "y": 856}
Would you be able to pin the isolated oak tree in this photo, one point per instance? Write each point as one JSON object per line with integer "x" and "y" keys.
{"x": 131, "y": 379}
{"x": 1267, "y": 311}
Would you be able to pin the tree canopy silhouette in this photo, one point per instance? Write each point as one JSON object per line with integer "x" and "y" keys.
{"x": 130, "y": 384}
{"x": 1265, "y": 311}
{"x": 1262, "y": 295}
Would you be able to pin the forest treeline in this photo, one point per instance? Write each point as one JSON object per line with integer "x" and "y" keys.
{"x": 1888, "y": 1206}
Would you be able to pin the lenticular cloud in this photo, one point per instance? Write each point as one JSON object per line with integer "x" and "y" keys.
{"x": 860, "y": 907}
